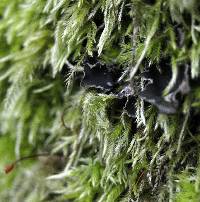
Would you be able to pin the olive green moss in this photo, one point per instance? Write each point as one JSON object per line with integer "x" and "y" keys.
{"x": 43, "y": 43}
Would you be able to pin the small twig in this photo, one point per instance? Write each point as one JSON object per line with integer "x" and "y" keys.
{"x": 182, "y": 132}
{"x": 10, "y": 167}
{"x": 146, "y": 46}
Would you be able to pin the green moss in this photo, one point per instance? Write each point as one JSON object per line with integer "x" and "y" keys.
{"x": 43, "y": 108}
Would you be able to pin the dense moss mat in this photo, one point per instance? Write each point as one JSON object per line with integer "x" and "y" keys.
{"x": 98, "y": 152}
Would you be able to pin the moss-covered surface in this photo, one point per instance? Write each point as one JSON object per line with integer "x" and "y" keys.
{"x": 98, "y": 152}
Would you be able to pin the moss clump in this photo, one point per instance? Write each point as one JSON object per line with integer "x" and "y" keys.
{"x": 106, "y": 154}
